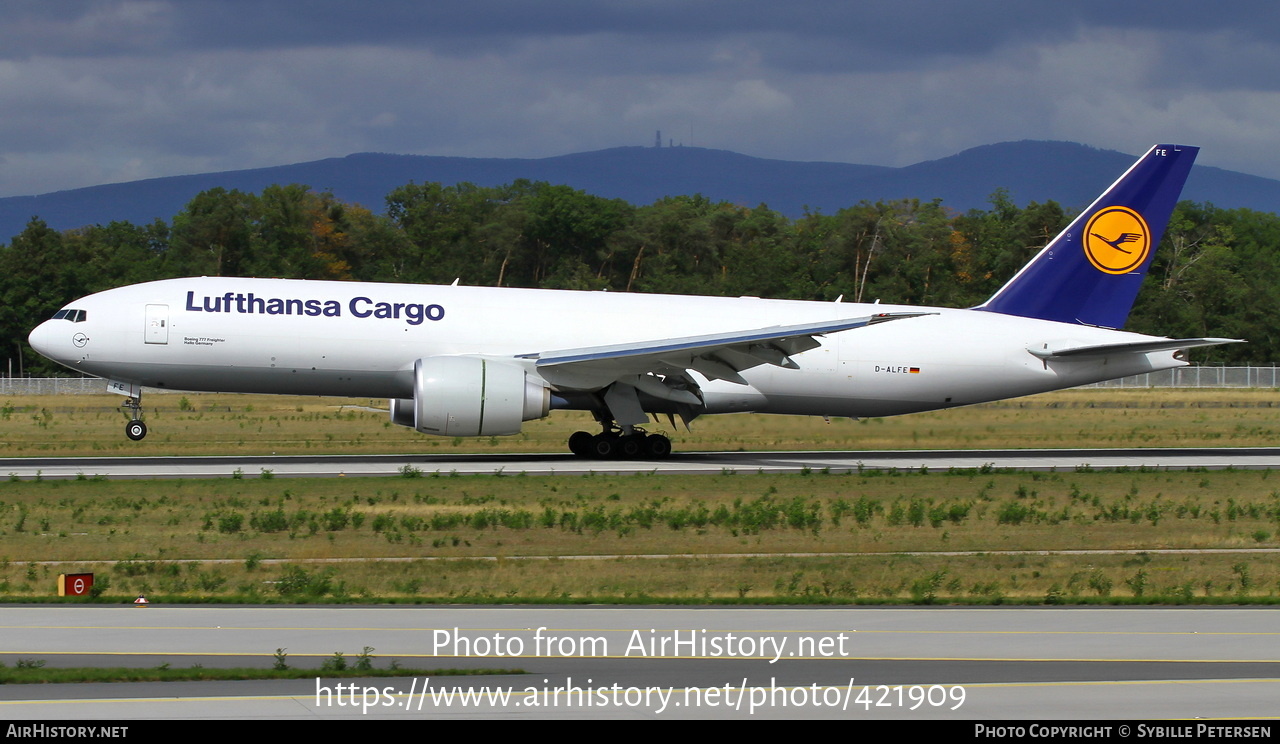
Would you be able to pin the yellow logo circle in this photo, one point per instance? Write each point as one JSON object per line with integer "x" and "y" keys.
{"x": 1117, "y": 240}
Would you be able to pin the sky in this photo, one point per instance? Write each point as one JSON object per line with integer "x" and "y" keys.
{"x": 101, "y": 91}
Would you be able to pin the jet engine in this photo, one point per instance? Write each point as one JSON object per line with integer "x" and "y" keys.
{"x": 470, "y": 397}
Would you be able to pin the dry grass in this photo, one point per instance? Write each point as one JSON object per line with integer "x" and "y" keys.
{"x": 208, "y": 424}
{"x": 167, "y": 532}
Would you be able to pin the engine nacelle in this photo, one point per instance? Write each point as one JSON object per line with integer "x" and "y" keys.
{"x": 470, "y": 397}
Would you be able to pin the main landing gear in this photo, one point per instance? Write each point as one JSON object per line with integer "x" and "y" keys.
{"x": 620, "y": 413}
{"x": 135, "y": 429}
{"x": 614, "y": 443}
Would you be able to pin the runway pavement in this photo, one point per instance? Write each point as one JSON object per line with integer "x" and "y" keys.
{"x": 944, "y": 664}
{"x": 691, "y": 462}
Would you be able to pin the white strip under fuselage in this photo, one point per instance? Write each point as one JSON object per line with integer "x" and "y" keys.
{"x": 361, "y": 340}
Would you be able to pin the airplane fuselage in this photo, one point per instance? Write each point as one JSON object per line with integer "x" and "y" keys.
{"x": 362, "y": 340}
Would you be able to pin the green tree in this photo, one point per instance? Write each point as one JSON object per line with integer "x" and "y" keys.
{"x": 211, "y": 235}
{"x": 39, "y": 273}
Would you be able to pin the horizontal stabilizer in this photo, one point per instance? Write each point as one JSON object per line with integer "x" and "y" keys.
{"x": 1137, "y": 347}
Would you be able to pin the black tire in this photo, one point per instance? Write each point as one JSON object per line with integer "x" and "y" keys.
{"x": 604, "y": 446}
{"x": 580, "y": 443}
{"x": 629, "y": 448}
{"x": 657, "y": 447}
{"x": 135, "y": 430}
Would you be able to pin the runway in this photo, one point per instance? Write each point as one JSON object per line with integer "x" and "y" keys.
{"x": 685, "y": 462}
{"x": 904, "y": 663}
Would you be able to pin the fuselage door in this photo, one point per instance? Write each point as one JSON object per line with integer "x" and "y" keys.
{"x": 157, "y": 324}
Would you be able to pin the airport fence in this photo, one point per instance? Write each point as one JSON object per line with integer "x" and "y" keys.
{"x": 1183, "y": 377}
{"x": 52, "y": 386}
{"x": 1200, "y": 377}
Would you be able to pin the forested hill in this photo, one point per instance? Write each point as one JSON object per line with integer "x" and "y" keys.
{"x": 1067, "y": 173}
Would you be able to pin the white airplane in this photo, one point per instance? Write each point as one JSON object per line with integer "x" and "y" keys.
{"x": 479, "y": 361}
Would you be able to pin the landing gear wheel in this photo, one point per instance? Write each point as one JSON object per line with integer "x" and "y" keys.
{"x": 580, "y": 443}
{"x": 604, "y": 446}
{"x": 631, "y": 447}
{"x": 657, "y": 447}
{"x": 135, "y": 430}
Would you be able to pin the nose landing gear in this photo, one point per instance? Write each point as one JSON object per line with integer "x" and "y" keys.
{"x": 136, "y": 429}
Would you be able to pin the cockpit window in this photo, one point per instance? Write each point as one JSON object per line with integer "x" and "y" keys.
{"x": 75, "y": 316}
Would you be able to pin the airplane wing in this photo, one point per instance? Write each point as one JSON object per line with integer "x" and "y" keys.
{"x": 719, "y": 356}
{"x": 1138, "y": 347}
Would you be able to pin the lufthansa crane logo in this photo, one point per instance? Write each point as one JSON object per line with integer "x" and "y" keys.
{"x": 1117, "y": 240}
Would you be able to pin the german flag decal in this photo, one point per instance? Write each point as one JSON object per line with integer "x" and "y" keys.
{"x": 915, "y": 370}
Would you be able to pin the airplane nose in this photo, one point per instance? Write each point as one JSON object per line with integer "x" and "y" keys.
{"x": 42, "y": 340}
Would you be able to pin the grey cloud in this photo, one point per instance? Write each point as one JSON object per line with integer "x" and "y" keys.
{"x": 134, "y": 88}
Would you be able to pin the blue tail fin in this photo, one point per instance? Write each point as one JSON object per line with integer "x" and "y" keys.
{"x": 1090, "y": 274}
